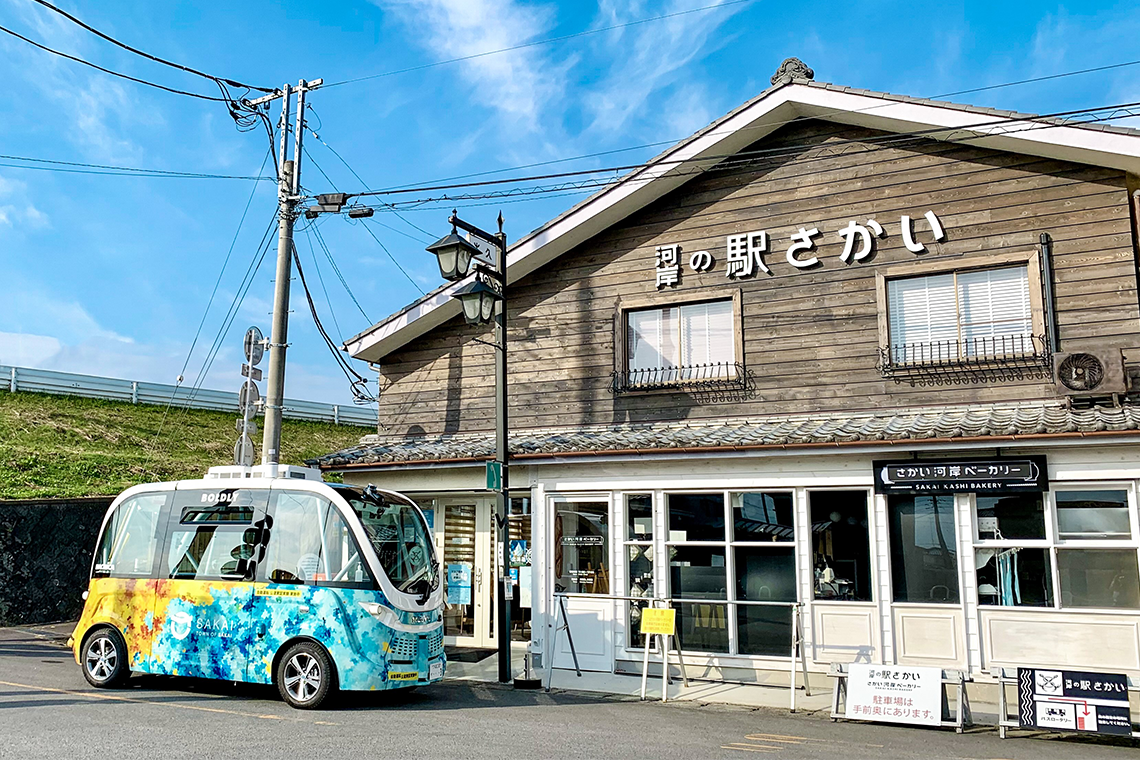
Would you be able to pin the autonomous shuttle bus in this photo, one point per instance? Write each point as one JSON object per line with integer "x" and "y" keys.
{"x": 264, "y": 575}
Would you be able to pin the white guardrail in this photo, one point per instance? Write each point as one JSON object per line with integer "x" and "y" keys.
{"x": 137, "y": 392}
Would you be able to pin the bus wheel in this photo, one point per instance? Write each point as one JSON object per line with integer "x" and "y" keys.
{"x": 305, "y": 675}
{"x": 104, "y": 658}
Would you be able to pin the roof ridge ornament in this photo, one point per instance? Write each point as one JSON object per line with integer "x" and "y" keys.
{"x": 792, "y": 68}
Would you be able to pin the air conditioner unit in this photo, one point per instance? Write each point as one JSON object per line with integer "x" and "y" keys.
{"x": 1093, "y": 372}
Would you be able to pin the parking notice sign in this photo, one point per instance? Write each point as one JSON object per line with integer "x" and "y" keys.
{"x": 1071, "y": 700}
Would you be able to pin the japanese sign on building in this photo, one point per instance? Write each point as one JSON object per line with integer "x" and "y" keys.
{"x": 1067, "y": 700}
{"x": 745, "y": 252}
{"x": 922, "y": 476}
{"x": 892, "y": 694}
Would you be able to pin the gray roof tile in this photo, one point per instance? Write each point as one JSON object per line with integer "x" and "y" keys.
{"x": 929, "y": 423}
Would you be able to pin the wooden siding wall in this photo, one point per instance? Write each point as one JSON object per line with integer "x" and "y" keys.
{"x": 810, "y": 337}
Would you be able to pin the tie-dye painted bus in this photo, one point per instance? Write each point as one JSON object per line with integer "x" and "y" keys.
{"x": 288, "y": 580}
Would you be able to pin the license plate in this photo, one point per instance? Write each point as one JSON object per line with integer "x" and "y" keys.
{"x": 435, "y": 670}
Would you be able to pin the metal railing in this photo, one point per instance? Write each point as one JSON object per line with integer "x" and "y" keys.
{"x": 798, "y": 651}
{"x": 716, "y": 376}
{"x": 1003, "y": 357}
{"x": 15, "y": 379}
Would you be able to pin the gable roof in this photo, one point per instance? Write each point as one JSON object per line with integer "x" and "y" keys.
{"x": 793, "y": 99}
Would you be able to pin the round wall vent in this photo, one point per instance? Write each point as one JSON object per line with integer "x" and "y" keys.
{"x": 1081, "y": 372}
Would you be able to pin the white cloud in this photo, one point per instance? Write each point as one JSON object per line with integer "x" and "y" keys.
{"x": 24, "y": 350}
{"x": 648, "y": 57}
{"x": 521, "y": 83}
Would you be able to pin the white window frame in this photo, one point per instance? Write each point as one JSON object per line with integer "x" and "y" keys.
{"x": 1053, "y": 541}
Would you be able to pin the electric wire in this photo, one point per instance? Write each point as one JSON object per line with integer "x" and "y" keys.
{"x": 321, "y": 278}
{"x": 370, "y": 232}
{"x": 148, "y": 56}
{"x": 796, "y": 119}
{"x": 782, "y": 150}
{"x": 535, "y": 43}
{"x": 96, "y": 66}
{"x": 130, "y": 170}
{"x": 336, "y": 270}
{"x": 357, "y": 382}
{"x": 201, "y": 323}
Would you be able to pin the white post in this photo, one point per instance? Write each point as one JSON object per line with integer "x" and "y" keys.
{"x": 645, "y": 666}
{"x": 12, "y": 381}
{"x": 134, "y": 391}
{"x": 664, "y": 641}
{"x": 336, "y": 414}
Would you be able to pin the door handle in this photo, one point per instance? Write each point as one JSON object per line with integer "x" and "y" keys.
{"x": 478, "y": 577}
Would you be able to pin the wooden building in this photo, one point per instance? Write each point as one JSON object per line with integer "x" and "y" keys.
{"x": 863, "y": 361}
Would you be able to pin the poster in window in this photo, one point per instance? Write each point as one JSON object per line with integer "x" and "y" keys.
{"x": 459, "y": 583}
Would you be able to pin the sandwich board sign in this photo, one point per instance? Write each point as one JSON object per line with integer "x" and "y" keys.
{"x": 1071, "y": 700}
{"x": 892, "y": 694}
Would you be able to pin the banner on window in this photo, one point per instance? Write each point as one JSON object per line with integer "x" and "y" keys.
{"x": 931, "y": 476}
{"x": 1068, "y": 700}
{"x": 889, "y": 694}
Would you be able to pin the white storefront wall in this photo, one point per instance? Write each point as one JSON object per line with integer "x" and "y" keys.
{"x": 964, "y": 635}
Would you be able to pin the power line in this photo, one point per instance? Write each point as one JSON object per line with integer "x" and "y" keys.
{"x": 109, "y": 71}
{"x": 782, "y": 150}
{"x": 124, "y": 170}
{"x": 148, "y": 56}
{"x": 336, "y": 270}
{"x": 659, "y": 143}
{"x": 741, "y": 160}
{"x": 535, "y": 43}
{"x": 317, "y": 267}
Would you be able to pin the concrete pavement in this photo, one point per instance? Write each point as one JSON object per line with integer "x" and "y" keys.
{"x": 48, "y": 710}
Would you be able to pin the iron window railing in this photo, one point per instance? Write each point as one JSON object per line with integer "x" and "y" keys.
{"x": 1003, "y": 357}
{"x": 719, "y": 376}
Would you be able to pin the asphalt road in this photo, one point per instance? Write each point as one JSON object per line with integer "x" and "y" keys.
{"x": 47, "y": 710}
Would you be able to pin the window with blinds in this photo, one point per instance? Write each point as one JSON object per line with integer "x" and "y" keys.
{"x": 960, "y": 315}
{"x": 681, "y": 343}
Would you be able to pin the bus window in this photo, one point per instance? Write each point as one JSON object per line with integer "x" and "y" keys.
{"x": 311, "y": 543}
{"x": 211, "y": 533}
{"x": 401, "y": 539}
{"x": 131, "y": 539}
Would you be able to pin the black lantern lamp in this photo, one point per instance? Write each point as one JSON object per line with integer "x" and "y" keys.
{"x": 478, "y": 300}
{"x": 455, "y": 254}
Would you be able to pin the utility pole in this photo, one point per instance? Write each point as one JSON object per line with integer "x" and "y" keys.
{"x": 288, "y": 192}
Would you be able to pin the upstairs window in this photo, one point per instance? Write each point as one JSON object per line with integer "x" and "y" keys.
{"x": 958, "y": 316}
{"x": 679, "y": 344}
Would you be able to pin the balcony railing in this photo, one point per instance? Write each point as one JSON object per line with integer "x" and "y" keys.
{"x": 970, "y": 360}
{"x": 722, "y": 376}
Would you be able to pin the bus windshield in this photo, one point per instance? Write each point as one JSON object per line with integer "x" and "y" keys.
{"x": 401, "y": 539}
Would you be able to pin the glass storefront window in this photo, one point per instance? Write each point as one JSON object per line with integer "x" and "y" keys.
{"x": 582, "y": 543}
{"x": 841, "y": 546}
{"x": 698, "y": 572}
{"x": 762, "y": 517}
{"x": 1020, "y": 516}
{"x": 521, "y": 562}
{"x": 639, "y": 517}
{"x": 1093, "y": 514}
{"x": 703, "y": 627}
{"x": 696, "y": 517}
{"x": 1099, "y": 578}
{"x": 1015, "y": 577}
{"x": 924, "y": 555}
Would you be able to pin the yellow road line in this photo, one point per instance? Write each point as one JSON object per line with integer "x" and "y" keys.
{"x": 742, "y": 747}
{"x": 119, "y": 698}
{"x": 801, "y": 739}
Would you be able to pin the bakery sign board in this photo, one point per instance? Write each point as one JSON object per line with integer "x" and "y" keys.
{"x": 891, "y": 694}
{"x": 990, "y": 476}
{"x": 1070, "y": 700}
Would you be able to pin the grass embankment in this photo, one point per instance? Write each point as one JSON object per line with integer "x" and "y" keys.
{"x": 62, "y": 446}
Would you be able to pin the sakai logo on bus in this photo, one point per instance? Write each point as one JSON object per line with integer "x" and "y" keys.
{"x": 179, "y": 624}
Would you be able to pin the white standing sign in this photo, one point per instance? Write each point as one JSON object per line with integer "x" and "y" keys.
{"x": 892, "y": 694}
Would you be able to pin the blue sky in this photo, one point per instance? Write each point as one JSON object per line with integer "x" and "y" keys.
{"x": 111, "y": 275}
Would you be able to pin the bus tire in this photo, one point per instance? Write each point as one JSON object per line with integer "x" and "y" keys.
{"x": 104, "y": 659}
{"x": 305, "y": 677}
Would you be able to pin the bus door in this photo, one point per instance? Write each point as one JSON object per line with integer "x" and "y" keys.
{"x": 202, "y": 614}
{"x": 122, "y": 578}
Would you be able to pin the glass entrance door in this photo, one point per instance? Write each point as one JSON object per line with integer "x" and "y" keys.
{"x": 469, "y": 574}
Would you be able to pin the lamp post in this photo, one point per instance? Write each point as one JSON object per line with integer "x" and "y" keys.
{"x": 457, "y": 255}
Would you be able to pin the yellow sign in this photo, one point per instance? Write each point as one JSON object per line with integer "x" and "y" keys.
{"x": 262, "y": 591}
{"x": 403, "y": 676}
{"x": 658, "y": 622}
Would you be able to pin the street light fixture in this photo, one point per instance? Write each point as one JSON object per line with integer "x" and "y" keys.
{"x": 479, "y": 298}
{"x": 455, "y": 254}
